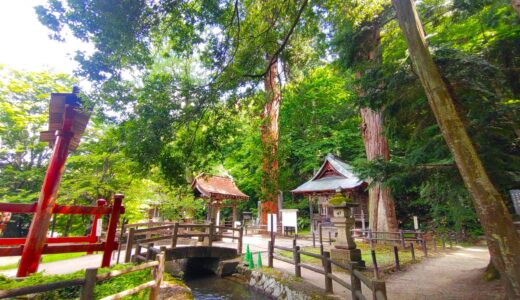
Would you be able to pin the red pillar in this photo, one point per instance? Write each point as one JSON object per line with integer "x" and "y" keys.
{"x": 32, "y": 250}
{"x": 110, "y": 243}
{"x": 93, "y": 228}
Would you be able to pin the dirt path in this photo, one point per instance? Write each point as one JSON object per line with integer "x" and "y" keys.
{"x": 456, "y": 275}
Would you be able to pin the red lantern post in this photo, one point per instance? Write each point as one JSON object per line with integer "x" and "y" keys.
{"x": 32, "y": 250}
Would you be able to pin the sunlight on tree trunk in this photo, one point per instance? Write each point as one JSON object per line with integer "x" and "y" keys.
{"x": 516, "y": 6}
{"x": 270, "y": 134}
{"x": 501, "y": 235}
{"x": 381, "y": 204}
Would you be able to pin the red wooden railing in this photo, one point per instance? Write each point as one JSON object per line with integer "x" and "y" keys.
{"x": 88, "y": 243}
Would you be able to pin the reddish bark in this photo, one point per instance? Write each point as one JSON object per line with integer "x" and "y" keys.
{"x": 270, "y": 136}
{"x": 381, "y": 204}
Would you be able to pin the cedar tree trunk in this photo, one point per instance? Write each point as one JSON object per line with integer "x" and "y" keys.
{"x": 381, "y": 205}
{"x": 502, "y": 239}
{"x": 270, "y": 143}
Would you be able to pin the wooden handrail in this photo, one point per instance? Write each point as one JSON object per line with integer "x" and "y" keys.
{"x": 40, "y": 288}
{"x": 88, "y": 283}
{"x": 376, "y": 286}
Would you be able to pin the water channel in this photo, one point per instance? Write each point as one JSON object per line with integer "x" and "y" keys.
{"x": 212, "y": 287}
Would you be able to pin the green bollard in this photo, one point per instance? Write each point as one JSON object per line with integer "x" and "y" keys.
{"x": 259, "y": 261}
{"x": 248, "y": 254}
{"x": 251, "y": 263}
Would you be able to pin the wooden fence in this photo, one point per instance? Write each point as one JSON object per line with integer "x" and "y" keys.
{"x": 402, "y": 236}
{"x": 377, "y": 287}
{"x": 88, "y": 283}
{"x": 175, "y": 231}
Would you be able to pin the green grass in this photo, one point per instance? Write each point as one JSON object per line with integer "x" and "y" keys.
{"x": 384, "y": 255}
{"x": 47, "y": 258}
{"x": 102, "y": 289}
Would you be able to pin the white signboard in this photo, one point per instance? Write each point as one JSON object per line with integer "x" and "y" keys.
{"x": 290, "y": 218}
{"x": 415, "y": 223}
{"x": 99, "y": 227}
{"x": 275, "y": 221}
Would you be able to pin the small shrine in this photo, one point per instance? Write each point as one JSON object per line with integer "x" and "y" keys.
{"x": 334, "y": 176}
{"x": 219, "y": 192}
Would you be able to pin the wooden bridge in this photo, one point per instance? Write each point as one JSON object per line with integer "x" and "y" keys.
{"x": 192, "y": 242}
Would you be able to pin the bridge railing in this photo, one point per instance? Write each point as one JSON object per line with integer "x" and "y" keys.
{"x": 172, "y": 233}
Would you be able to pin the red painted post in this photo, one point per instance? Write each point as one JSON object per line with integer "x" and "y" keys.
{"x": 110, "y": 243}
{"x": 93, "y": 229}
{"x": 32, "y": 250}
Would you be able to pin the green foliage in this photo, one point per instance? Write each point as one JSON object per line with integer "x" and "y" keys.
{"x": 103, "y": 289}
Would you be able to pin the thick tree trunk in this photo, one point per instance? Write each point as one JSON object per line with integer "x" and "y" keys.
{"x": 270, "y": 135}
{"x": 516, "y": 6}
{"x": 502, "y": 239}
{"x": 381, "y": 204}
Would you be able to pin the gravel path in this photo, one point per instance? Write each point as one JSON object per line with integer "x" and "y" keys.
{"x": 455, "y": 275}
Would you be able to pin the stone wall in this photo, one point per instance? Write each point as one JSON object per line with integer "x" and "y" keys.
{"x": 278, "y": 285}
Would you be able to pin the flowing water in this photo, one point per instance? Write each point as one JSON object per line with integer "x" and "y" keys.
{"x": 214, "y": 287}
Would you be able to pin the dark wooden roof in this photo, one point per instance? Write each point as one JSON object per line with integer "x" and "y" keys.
{"x": 217, "y": 188}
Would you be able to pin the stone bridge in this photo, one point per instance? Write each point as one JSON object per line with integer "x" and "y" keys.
{"x": 194, "y": 259}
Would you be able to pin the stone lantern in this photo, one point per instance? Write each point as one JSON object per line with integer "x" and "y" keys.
{"x": 344, "y": 250}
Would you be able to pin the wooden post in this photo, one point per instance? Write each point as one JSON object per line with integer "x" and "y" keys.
{"x": 137, "y": 252}
{"x": 320, "y": 231}
{"x": 93, "y": 227}
{"x": 434, "y": 244}
{"x": 120, "y": 241}
{"x": 174, "y": 234}
{"x": 396, "y": 257}
{"x": 272, "y": 229}
{"x": 149, "y": 248}
{"x": 270, "y": 254}
{"x": 211, "y": 232}
{"x": 129, "y": 244}
{"x": 424, "y": 247}
{"x": 327, "y": 267}
{"x": 313, "y": 240}
{"x": 110, "y": 243}
{"x": 157, "y": 274}
{"x": 370, "y": 239}
{"x": 87, "y": 290}
{"x": 374, "y": 262}
{"x": 355, "y": 283}
{"x": 412, "y": 251}
{"x": 240, "y": 237}
{"x": 330, "y": 238}
{"x": 443, "y": 240}
{"x": 378, "y": 290}
{"x": 401, "y": 237}
{"x": 297, "y": 261}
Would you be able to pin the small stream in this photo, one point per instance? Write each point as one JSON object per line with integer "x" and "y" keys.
{"x": 214, "y": 287}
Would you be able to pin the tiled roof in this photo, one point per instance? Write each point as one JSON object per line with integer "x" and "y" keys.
{"x": 217, "y": 187}
{"x": 344, "y": 180}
